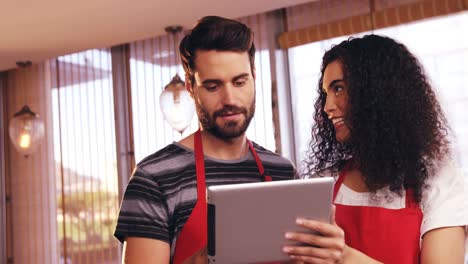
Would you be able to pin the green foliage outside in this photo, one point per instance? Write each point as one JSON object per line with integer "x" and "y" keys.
{"x": 89, "y": 220}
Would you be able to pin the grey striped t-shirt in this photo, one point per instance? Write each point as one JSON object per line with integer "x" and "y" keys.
{"x": 162, "y": 190}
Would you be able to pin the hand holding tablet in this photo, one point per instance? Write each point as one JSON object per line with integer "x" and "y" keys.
{"x": 327, "y": 244}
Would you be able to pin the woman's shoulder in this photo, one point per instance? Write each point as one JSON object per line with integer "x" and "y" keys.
{"x": 444, "y": 172}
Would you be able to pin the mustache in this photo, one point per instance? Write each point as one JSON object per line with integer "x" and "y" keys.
{"x": 230, "y": 109}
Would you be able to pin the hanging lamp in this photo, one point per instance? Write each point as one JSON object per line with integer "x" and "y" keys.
{"x": 26, "y": 128}
{"x": 175, "y": 102}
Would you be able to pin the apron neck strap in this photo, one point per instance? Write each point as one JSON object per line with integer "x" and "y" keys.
{"x": 259, "y": 162}
{"x": 341, "y": 178}
{"x": 200, "y": 165}
{"x": 200, "y": 162}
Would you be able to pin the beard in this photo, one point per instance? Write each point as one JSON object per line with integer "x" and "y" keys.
{"x": 230, "y": 129}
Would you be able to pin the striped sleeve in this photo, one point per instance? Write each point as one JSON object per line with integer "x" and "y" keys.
{"x": 143, "y": 211}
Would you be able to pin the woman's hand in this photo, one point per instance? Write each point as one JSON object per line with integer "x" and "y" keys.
{"x": 326, "y": 245}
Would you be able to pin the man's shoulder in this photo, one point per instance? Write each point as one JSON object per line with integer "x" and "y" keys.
{"x": 173, "y": 156}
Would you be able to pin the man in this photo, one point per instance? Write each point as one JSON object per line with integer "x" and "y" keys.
{"x": 163, "y": 213}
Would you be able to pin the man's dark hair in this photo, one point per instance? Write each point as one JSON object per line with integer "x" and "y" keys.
{"x": 398, "y": 130}
{"x": 215, "y": 33}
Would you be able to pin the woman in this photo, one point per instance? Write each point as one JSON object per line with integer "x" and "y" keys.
{"x": 381, "y": 133}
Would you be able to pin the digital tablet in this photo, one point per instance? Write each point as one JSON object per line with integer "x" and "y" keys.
{"x": 247, "y": 222}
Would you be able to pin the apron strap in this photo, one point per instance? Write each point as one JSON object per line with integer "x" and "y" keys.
{"x": 410, "y": 198}
{"x": 200, "y": 167}
{"x": 259, "y": 162}
{"x": 193, "y": 236}
{"x": 341, "y": 177}
{"x": 410, "y": 201}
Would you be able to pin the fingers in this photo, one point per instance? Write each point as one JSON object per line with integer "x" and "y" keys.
{"x": 325, "y": 229}
{"x": 314, "y": 255}
{"x": 316, "y": 240}
{"x": 310, "y": 260}
{"x": 319, "y": 253}
{"x": 293, "y": 261}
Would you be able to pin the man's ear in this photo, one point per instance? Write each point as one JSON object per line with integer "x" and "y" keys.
{"x": 254, "y": 73}
{"x": 188, "y": 85}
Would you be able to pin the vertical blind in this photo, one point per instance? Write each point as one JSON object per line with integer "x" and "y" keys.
{"x": 85, "y": 158}
{"x": 261, "y": 128}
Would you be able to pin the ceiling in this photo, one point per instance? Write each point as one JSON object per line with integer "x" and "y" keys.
{"x": 37, "y": 30}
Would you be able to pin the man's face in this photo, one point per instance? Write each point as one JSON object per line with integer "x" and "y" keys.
{"x": 224, "y": 92}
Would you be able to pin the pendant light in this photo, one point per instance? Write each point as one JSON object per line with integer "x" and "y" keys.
{"x": 26, "y": 128}
{"x": 176, "y": 104}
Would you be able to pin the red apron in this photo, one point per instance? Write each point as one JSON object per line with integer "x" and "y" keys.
{"x": 387, "y": 235}
{"x": 193, "y": 236}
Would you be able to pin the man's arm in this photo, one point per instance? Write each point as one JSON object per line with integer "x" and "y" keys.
{"x": 145, "y": 250}
{"x": 443, "y": 245}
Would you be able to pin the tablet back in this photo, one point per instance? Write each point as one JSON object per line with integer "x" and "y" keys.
{"x": 247, "y": 222}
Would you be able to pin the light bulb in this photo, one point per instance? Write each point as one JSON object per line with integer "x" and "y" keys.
{"x": 177, "y": 117}
{"x": 24, "y": 140}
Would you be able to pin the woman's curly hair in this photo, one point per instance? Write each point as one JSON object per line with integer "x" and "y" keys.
{"x": 398, "y": 130}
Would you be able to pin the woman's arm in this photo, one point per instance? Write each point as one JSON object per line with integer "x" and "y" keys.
{"x": 445, "y": 208}
{"x": 443, "y": 245}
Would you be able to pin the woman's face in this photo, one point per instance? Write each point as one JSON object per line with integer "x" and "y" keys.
{"x": 336, "y": 102}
